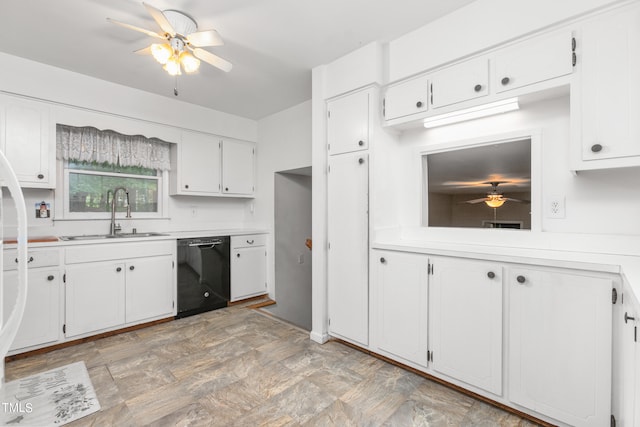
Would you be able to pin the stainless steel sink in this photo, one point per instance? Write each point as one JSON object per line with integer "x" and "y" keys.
{"x": 109, "y": 236}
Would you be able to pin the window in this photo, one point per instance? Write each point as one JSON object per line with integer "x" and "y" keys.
{"x": 89, "y": 190}
{"x": 486, "y": 186}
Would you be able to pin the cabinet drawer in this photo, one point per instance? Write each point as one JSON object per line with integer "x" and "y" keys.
{"x": 248, "y": 240}
{"x": 38, "y": 258}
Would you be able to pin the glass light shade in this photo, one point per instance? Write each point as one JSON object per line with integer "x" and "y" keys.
{"x": 173, "y": 66}
{"x": 495, "y": 201}
{"x": 161, "y": 52}
{"x": 189, "y": 62}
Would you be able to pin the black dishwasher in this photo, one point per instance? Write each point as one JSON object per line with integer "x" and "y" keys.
{"x": 203, "y": 274}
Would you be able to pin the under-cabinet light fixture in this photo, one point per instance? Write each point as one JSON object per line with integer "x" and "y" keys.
{"x": 485, "y": 110}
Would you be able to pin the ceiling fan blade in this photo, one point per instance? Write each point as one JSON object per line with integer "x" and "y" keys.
{"x": 474, "y": 201}
{"x": 212, "y": 59}
{"x": 160, "y": 19}
{"x": 133, "y": 27}
{"x": 516, "y": 200}
{"x": 143, "y": 51}
{"x": 205, "y": 38}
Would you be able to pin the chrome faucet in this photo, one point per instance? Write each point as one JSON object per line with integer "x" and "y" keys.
{"x": 114, "y": 228}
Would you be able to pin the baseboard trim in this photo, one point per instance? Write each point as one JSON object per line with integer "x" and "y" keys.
{"x": 318, "y": 337}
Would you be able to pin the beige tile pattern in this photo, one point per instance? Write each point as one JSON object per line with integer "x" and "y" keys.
{"x": 239, "y": 367}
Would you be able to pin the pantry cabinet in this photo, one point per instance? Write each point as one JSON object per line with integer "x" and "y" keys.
{"x": 195, "y": 165}
{"x": 41, "y": 320}
{"x": 607, "y": 131}
{"x": 238, "y": 167}
{"x": 348, "y": 235}
{"x": 27, "y": 139}
{"x": 400, "y": 304}
{"x": 466, "y": 321}
{"x": 248, "y": 266}
{"x": 560, "y": 344}
{"x": 348, "y": 123}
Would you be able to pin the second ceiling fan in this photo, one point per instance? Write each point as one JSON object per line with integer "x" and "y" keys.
{"x": 495, "y": 199}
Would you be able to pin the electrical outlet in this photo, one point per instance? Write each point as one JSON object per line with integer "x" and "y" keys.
{"x": 555, "y": 207}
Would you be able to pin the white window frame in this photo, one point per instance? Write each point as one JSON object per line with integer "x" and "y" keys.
{"x": 62, "y": 200}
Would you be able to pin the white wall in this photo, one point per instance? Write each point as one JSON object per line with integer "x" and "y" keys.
{"x": 85, "y": 100}
{"x": 284, "y": 143}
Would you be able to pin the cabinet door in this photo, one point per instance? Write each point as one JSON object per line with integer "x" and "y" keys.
{"x": 348, "y": 232}
{"x": 348, "y": 123}
{"x": 95, "y": 297}
{"x": 28, "y": 141}
{"x": 466, "y": 316}
{"x": 406, "y": 98}
{"x": 149, "y": 288}
{"x": 462, "y": 82}
{"x": 248, "y": 272}
{"x": 238, "y": 167}
{"x": 402, "y": 301}
{"x": 532, "y": 61}
{"x": 610, "y": 88}
{"x": 560, "y": 345}
{"x": 41, "y": 321}
{"x": 198, "y": 164}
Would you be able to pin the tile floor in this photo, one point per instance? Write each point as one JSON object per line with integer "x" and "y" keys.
{"x": 239, "y": 367}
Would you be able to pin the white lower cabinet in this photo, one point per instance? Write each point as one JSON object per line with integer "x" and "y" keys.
{"x": 401, "y": 303}
{"x": 135, "y": 283}
{"x": 149, "y": 288}
{"x": 466, "y": 321}
{"x": 560, "y": 326}
{"x": 41, "y": 320}
{"x": 248, "y": 266}
{"x": 95, "y": 297}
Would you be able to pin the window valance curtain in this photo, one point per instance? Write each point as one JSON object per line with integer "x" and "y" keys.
{"x": 88, "y": 144}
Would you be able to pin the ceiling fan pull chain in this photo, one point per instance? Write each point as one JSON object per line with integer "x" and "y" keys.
{"x": 175, "y": 88}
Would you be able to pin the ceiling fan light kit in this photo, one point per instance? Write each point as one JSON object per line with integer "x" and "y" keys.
{"x": 485, "y": 110}
{"x": 182, "y": 38}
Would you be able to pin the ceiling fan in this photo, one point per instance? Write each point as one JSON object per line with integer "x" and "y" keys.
{"x": 495, "y": 199}
{"x": 182, "y": 42}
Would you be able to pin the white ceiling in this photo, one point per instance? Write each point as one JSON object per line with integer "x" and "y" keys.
{"x": 273, "y": 44}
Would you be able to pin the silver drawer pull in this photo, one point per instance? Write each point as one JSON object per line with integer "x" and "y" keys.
{"x": 250, "y": 241}
{"x": 28, "y": 261}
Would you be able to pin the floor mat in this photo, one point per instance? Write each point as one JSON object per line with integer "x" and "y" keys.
{"x": 51, "y": 398}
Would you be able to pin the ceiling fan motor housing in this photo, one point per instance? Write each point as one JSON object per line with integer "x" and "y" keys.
{"x": 182, "y": 23}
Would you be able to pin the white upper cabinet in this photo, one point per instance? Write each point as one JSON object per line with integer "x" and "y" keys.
{"x": 348, "y": 123}
{"x": 461, "y": 82}
{"x": 27, "y": 138}
{"x": 609, "y": 91}
{"x": 195, "y": 165}
{"x": 238, "y": 167}
{"x": 407, "y": 98}
{"x": 560, "y": 344}
{"x": 532, "y": 61}
{"x": 466, "y": 321}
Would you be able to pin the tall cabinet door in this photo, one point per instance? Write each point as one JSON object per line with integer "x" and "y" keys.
{"x": 348, "y": 225}
{"x": 466, "y": 316}
{"x": 401, "y": 304}
{"x": 560, "y": 345}
{"x": 348, "y": 123}
{"x": 610, "y": 87}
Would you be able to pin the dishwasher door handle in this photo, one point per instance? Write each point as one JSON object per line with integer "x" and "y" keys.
{"x": 209, "y": 244}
